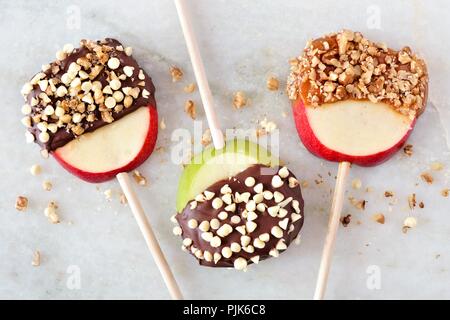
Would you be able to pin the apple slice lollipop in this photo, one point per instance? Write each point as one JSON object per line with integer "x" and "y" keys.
{"x": 354, "y": 101}
{"x": 94, "y": 110}
{"x": 235, "y": 206}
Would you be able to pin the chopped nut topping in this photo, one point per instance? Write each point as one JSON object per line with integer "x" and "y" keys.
{"x": 21, "y": 203}
{"x": 345, "y": 65}
{"x": 239, "y": 100}
{"x": 176, "y": 73}
{"x": 408, "y": 150}
{"x": 428, "y": 178}
{"x": 189, "y": 108}
{"x": 378, "y": 217}
{"x": 139, "y": 178}
{"x": 272, "y": 83}
{"x": 189, "y": 88}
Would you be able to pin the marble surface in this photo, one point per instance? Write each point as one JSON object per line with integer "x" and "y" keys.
{"x": 243, "y": 42}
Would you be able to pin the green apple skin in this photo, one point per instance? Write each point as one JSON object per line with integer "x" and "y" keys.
{"x": 213, "y": 165}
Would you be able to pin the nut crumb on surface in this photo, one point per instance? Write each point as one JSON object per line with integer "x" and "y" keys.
{"x": 189, "y": 88}
{"x": 378, "y": 217}
{"x": 108, "y": 194}
{"x": 428, "y": 178}
{"x": 412, "y": 201}
{"x": 162, "y": 124}
{"x": 50, "y": 212}
{"x": 47, "y": 185}
{"x": 345, "y": 220}
{"x": 356, "y": 183}
{"x": 445, "y": 192}
{"x": 388, "y": 194}
{"x": 408, "y": 223}
{"x": 436, "y": 166}
{"x": 123, "y": 199}
{"x": 21, "y": 203}
{"x": 35, "y": 169}
{"x": 239, "y": 100}
{"x": 36, "y": 261}
{"x": 176, "y": 73}
{"x": 408, "y": 150}
{"x": 421, "y": 205}
{"x": 272, "y": 83}
{"x": 189, "y": 108}
{"x": 139, "y": 178}
{"x": 206, "y": 137}
{"x": 358, "y": 204}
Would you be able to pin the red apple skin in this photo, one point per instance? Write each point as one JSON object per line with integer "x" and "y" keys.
{"x": 145, "y": 152}
{"x": 314, "y": 146}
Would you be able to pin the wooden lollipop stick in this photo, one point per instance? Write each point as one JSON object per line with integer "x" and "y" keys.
{"x": 200, "y": 74}
{"x": 333, "y": 224}
{"x": 150, "y": 239}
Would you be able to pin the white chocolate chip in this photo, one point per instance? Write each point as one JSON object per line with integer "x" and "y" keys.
{"x": 199, "y": 198}
{"x": 241, "y": 230}
{"x": 215, "y": 242}
{"x": 29, "y": 137}
{"x": 410, "y": 222}
{"x": 281, "y": 245}
{"x": 226, "y": 252}
{"x": 231, "y": 207}
{"x": 217, "y": 257}
{"x": 251, "y": 216}
{"x": 209, "y": 195}
{"x": 26, "y": 121}
{"x": 258, "y": 188}
{"x": 128, "y": 51}
{"x": 208, "y": 256}
{"x": 255, "y": 259}
{"x": 214, "y": 224}
{"x": 278, "y": 196}
{"x": 293, "y": 182}
{"x": 258, "y": 198}
{"x": 282, "y": 213}
{"x": 240, "y": 264}
{"x": 284, "y": 223}
{"x": 26, "y": 109}
{"x": 276, "y": 232}
{"x": 224, "y": 230}
{"x": 285, "y": 202}
{"x": 249, "y": 249}
{"x": 235, "y": 219}
{"x": 44, "y": 137}
{"x": 113, "y": 63}
{"x": 193, "y": 205}
{"x": 274, "y": 253}
{"x": 251, "y": 205}
{"x": 35, "y": 169}
{"x": 115, "y": 84}
{"x": 250, "y": 181}
{"x": 295, "y": 217}
{"x": 235, "y": 247}
{"x": 128, "y": 71}
{"x": 264, "y": 237}
{"x": 296, "y": 206}
{"x": 204, "y": 226}
{"x": 187, "y": 242}
{"x": 222, "y": 215}
{"x": 276, "y": 181}
{"x": 245, "y": 240}
{"x": 244, "y": 197}
{"x": 225, "y": 189}
{"x": 227, "y": 198}
{"x": 273, "y": 211}
{"x": 217, "y": 203}
{"x": 257, "y": 243}
{"x": 261, "y": 207}
{"x": 283, "y": 172}
{"x": 207, "y": 236}
{"x": 250, "y": 226}
{"x": 110, "y": 102}
{"x": 177, "y": 231}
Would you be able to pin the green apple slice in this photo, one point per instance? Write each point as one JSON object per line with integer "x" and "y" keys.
{"x": 213, "y": 165}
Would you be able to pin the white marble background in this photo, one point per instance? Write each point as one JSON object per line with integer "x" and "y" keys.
{"x": 242, "y": 43}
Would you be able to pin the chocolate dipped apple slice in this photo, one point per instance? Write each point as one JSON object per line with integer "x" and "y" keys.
{"x": 94, "y": 110}
{"x": 354, "y": 101}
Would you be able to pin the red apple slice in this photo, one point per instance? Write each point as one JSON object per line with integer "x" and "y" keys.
{"x": 360, "y": 132}
{"x": 117, "y": 147}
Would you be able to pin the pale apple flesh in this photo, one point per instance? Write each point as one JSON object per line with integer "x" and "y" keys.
{"x": 360, "y": 132}
{"x": 120, "y": 146}
{"x": 213, "y": 165}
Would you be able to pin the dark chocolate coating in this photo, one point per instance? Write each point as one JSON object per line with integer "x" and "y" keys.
{"x": 63, "y": 136}
{"x": 265, "y": 222}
